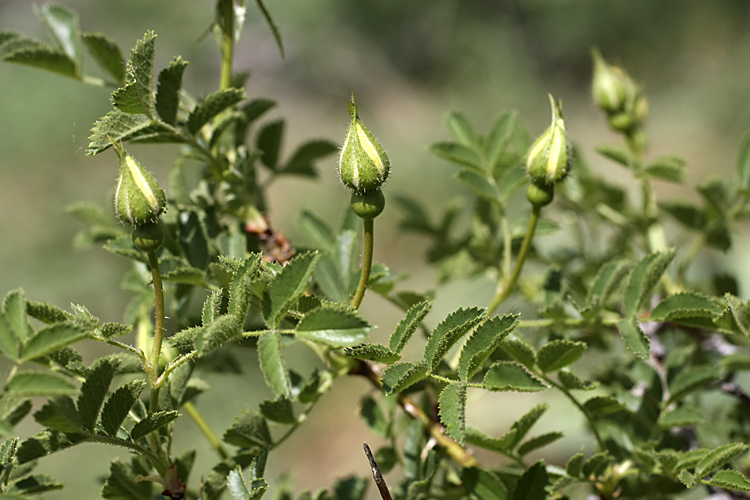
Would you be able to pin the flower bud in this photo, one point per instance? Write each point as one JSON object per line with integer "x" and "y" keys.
{"x": 610, "y": 86}
{"x": 548, "y": 159}
{"x": 139, "y": 198}
{"x": 363, "y": 164}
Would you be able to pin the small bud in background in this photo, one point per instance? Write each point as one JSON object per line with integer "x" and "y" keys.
{"x": 548, "y": 159}
{"x": 610, "y": 86}
{"x": 363, "y": 163}
{"x": 139, "y": 199}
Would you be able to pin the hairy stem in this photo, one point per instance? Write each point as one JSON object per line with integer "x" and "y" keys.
{"x": 205, "y": 429}
{"x": 153, "y": 370}
{"x": 506, "y": 287}
{"x": 227, "y": 47}
{"x": 366, "y": 263}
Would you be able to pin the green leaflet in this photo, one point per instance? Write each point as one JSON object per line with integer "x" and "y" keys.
{"x": 499, "y": 137}
{"x": 719, "y": 457}
{"x": 124, "y": 127}
{"x": 301, "y": 161}
{"x": 46, "y": 312}
{"x": 634, "y": 338}
{"x": 458, "y": 154}
{"x": 483, "y": 342}
{"x": 524, "y": 424}
{"x": 372, "y": 352}
{"x": 239, "y": 294}
{"x": 452, "y": 409}
{"x": 407, "y": 326}
{"x": 666, "y": 168}
{"x": 287, "y": 287}
{"x": 272, "y": 364}
{"x": 607, "y": 279}
{"x": 532, "y": 484}
{"x": 617, "y": 154}
{"x": 152, "y": 422}
{"x": 478, "y": 438}
{"x": 268, "y": 142}
{"x": 448, "y": 332}
{"x": 317, "y": 230}
{"x": 107, "y": 55}
{"x": 140, "y": 73}
{"x": 94, "y": 390}
{"x": 248, "y": 430}
{"x": 240, "y": 490}
{"x": 14, "y": 310}
{"x": 400, "y": 376}
{"x": 280, "y": 411}
{"x": 482, "y": 484}
{"x": 336, "y": 326}
{"x": 681, "y": 416}
{"x": 603, "y": 405}
{"x": 558, "y": 354}
{"x": 59, "y": 414}
{"x": 122, "y": 485}
{"x": 118, "y": 405}
{"x": 731, "y": 480}
{"x": 462, "y": 130}
{"x": 643, "y": 279}
{"x": 691, "y": 380}
{"x": 510, "y": 376}
{"x": 62, "y": 25}
{"x": 168, "y": 90}
{"x": 373, "y": 416}
{"x": 478, "y": 184}
{"x": 220, "y": 331}
{"x": 45, "y": 443}
{"x": 538, "y": 442}
{"x": 51, "y": 338}
{"x": 212, "y": 105}
{"x": 39, "y": 384}
{"x": 693, "y": 309}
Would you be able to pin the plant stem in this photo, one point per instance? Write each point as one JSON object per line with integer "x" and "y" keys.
{"x": 434, "y": 429}
{"x": 153, "y": 371}
{"x": 366, "y": 263}
{"x": 578, "y": 404}
{"x": 227, "y": 47}
{"x": 504, "y": 289}
{"x": 193, "y": 413}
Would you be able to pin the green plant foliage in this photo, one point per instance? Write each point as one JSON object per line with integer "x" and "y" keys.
{"x": 665, "y": 409}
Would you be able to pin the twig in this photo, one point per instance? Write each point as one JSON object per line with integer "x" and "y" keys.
{"x": 382, "y": 487}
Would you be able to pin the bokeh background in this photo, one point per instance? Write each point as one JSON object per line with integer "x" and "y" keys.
{"x": 409, "y": 63}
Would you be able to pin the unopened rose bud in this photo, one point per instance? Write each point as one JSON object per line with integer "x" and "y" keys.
{"x": 363, "y": 163}
{"x": 548, "y": 159}
{"x": 610, "y": 86}
{"x": 139, "y": 199}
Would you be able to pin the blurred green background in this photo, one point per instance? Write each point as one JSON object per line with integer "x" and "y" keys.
{"x": 409, "y": 63}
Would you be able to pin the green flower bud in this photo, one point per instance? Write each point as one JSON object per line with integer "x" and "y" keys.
{"x": 548, "y": 159}
{"x": 610, "y": 86}
{"x": 367, "y": 206}
{"x": 139, "y": 198}
{"x": 363, "y": 164}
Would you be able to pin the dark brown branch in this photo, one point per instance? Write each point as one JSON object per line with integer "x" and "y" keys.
{"x": 382, "y": 487}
